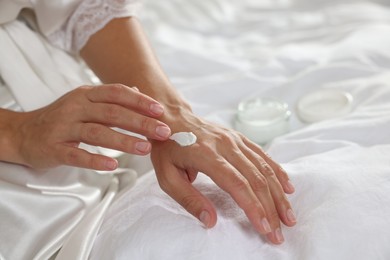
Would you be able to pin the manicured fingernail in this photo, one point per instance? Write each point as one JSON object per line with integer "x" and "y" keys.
{"x": 142, "y": 147}
{"x": 278, "y": 235}
{"x": 291, "y": 216}
{"x": 156, "y": 109}
{"x": 204, "y": 217}
{"x": 290, "y": 186}
{"x": 163, "y": 131}
{"x": 266, "y": 226}
{"x": 111, "y": 164}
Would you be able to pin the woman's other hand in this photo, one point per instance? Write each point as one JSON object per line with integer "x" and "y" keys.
{"x": 50, "y": 136}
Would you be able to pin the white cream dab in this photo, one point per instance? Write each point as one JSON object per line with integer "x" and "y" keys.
{"x": 184, "y": 138}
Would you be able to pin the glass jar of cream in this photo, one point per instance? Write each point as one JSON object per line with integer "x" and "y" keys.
{"x": 262, "y": 119}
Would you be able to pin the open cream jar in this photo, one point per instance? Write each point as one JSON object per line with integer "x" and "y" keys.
{"x": 262, "y": 119}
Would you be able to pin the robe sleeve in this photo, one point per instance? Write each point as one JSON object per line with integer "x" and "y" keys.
{"x": 69, "y": 24}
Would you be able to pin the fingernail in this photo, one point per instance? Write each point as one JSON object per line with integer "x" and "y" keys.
{"x": 278, "y": 235}
{"x": 111, "y": 164}
{"x": 163, "y": 131}
{"x": 291, "y": 216}
{"x": 156, "y": 109}
{"x": 204, "y": 217}
{"x": 290, "y": 186}
{"x": 142, "y": 147}
{"x": 135, "y": 88}
{"x": 266, "y": 225}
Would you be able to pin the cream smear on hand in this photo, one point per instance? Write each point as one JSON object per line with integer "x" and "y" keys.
{"x": 184, "y": 138}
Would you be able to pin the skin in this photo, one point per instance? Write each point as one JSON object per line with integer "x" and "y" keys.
{"x": 121, "y": 57}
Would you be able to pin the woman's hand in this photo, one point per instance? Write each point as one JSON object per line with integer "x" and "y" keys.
{"x": 235, "y": 164}
{"x": 50, "y": 136}
{"x": 238, "y": 166}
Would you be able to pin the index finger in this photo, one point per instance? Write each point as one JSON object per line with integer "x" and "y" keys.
{"x": 127, "y": 97}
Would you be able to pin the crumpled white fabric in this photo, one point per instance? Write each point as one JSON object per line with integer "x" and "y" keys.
{"x": 341, "y": 203}
{"x": 282, "y": 49}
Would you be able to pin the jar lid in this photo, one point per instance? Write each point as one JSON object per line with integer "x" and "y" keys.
{"x": 324, "y": 104}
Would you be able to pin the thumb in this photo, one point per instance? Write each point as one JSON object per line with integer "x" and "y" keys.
{"x": 177, "y": 185}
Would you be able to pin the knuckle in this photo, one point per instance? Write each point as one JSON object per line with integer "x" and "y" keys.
{"x": 91, "y": 132}
{"x": 266, "y": 169}
{"x": 259, "y": 184}
{"x": 235, "y": 152}
{"x": 71, "y": 157}
{"x": 239, "y": 183}
{"x": 145, "y": 123}
{"x": 241, "y": 136}
{"x": 236, "y": 136}
{"x": 78, "y": 92}
{"x": 225, "y": 138}
{"x": 116, "y": 91}
{"x": 112, "y": 113}
{"x": 140, "y": 101}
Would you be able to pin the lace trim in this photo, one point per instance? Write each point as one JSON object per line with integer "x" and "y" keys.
{"x": 89, "y": 17}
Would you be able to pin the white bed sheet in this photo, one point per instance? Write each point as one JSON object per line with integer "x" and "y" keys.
{"x": 341, "y": 167}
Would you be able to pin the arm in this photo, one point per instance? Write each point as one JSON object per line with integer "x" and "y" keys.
{"x": 121, "y": 53}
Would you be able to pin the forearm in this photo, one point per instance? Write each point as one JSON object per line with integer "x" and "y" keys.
{"x": 121, "y": 53}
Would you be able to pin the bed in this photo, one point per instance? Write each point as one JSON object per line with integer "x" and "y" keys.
{"x": 340, "y": 167}
{"x": 233, "y": 50}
